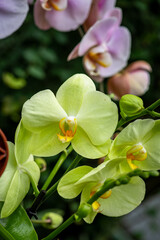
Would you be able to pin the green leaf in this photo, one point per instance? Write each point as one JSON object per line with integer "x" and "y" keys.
{"x": 5, "y": 235}
{"x": 19, "y": 225}
{"x": 98, "y": 117}
{"x": 70, "y": 94}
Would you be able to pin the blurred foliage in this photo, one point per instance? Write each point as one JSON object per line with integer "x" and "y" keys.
{"x": 39, "y": 58}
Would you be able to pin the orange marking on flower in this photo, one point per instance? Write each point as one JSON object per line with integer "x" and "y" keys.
{"x": 96, "y": 205}
{"x": 136, "y": 153}
{"x": 68, "y": 127}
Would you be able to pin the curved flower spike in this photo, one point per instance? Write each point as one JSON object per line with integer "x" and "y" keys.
{"x": 78, "y": 114}
{"x": 12, "y": 15}
{"x": 138, "y": 145}
{"x": 63, "y": 15}
{"x": 3, "y": 152}
{"x": 116, "y": 202}
{"x": 101, "y": 9}
{"x": 15, "y": 181}
{"x": 135, "y": 79}
{"x": 105, "y": 48}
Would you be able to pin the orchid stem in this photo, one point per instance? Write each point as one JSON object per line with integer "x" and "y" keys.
{"x": 60, "y": 161}
{"x": 54, "y": 187}
{"x": 148, "y": 110}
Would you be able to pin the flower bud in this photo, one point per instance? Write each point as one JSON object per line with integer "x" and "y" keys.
{"x": 134, "y": 79}
{"x": 54, "y": 220}
{"x": 83, "y": 211}
{"x": 130, "y": 105}
{"x": 41, "y": 164}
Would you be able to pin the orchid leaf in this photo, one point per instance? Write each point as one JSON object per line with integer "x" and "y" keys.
{"x": 18, "y": 225}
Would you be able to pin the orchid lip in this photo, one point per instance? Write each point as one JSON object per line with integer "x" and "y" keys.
{"x": 58, "y": 5}
{"x": 136, "y": 153}
{"x": 68, "y": 127}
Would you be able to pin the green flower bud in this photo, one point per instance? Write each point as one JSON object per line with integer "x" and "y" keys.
{"x": 154, "y": 173}
{"x": 83, "y": 211}
{"x": 130, "y": 105}
{"x": 54, "y": 220}
{"x": 41, "y": 164}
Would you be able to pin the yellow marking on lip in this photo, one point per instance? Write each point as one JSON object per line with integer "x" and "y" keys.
{"x": 68, "y": 128}
{"x": 136, "y": 153}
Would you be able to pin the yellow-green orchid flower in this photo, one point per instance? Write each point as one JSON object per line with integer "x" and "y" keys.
{"x": 78, "y": 114}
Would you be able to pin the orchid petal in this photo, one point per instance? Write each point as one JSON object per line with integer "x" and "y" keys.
{"x": 13, "y": 14}
{"x": 67, "y": 188}
{"x": 116, "y": 12}
{"x": 39, "y": 16}
{"x": 134, "y": 133}
{"x": 98, "y": 117}
{"x": 96, "y": 35}
{"x": 70, "y": 18}
{"x": 152, "y": 162}
{"x": 84, "y": 147}
{"x": 139, "y": 82}
{"x": 123, "y": 199}
{"x": 41, "y": 111}
{"x": 70, "y": 95}
{"x": 8, "y": 173}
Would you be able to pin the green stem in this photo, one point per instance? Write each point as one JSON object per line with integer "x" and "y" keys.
{"x": 4, "y": 234}
{"x": 60, "y": 161}
{"x": 56, "y": 232}
{"x": 154, "y": 114}
{"x": 41, "y": 221}
{"x": 54, "y": 187}
{"x": 148, "y": 110}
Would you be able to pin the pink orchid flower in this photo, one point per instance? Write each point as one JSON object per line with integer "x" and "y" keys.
{"x": 63, "y": 15}
{"x": 12, "y": 15}
{"x": 105, "y": 48}
{"x": 135, "y": 79}
{"x": 102, "y": 9}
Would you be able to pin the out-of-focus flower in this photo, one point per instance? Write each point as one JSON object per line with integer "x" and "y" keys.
{"x": 102, "y": 9}
{"x": 12, "y": 15}
{"x": 63, "y": 15}
{"x": 105, "y": 48}
{"x": 135, "y": 79}
{"x": 3, "y": 152}
{"x": 78, "y": 114}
